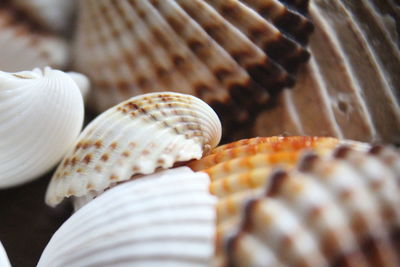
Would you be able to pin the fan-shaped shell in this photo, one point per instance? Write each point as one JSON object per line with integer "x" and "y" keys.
{"x": 25, "y": 46}
{"x": 354, "y": 69}
{"x": 167, "y": 219}
{"x": 135, "y": 137}
{"x": 232, "y": 54}
{"x": 4, "y": 262}
{"x": 41, "y": 115}
{"x": 339, "y": 206}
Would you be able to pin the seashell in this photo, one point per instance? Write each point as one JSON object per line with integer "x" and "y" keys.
{"x": 312, "y": 205}
{"x": 25, "y": 44}
{"x": 4, "y": 262}
{"x": 55, "y": 15}
{"x": 82, "y": 81}
{"x": 234, "y": 61}
{"x": 145, "y": 222}
{"x": 135, "y": 137}
{"x": 355, "y": 68}
{"x": 41, "y": 115}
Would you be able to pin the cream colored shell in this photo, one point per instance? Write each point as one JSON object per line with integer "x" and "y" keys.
{"x": 4, "y": 262}
{"x": 163, "y": 219}
{"x": 41, "y": 115}
{"x": 135, "y": 137}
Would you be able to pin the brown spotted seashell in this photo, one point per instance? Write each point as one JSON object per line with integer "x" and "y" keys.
{"x": 321, "y": 204}
{"x": 137, "y": 136}
{"x": 352, "y": 79}
{"x": 232, "y": 54}
{"x": 26, "y": 44}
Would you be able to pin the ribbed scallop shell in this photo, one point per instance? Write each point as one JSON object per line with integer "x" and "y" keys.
{"x": 41, "y": 115}
{"x": 281, "y": 207}
{"x": 135, "y": 137}
{"x": 163, "y": 219}
{"x": 24, "y": 45}
{"x": 4, "y": 262}
{"x": 232, "y": 54}
{"x": 352, "y": 79}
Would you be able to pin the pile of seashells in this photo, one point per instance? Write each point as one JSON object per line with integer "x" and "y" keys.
{"x": 149, "y": 184}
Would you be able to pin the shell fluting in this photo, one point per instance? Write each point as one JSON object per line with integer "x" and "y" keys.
{"x": 232, "y": 54}
{"x": 24, "y": 45}
{"x": 166, "y": 218}
{"x": 313, "y": 205}
{"x": 135, "y": 137}
{"x": 41, "y": 115}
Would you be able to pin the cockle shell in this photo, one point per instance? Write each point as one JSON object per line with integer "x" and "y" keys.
{"x": 41, "y": 115}
{"x": 24, "y": 45}
{"x": 4, "y": 262}
{"x": 135, "y": 137}
{"x": 318, "y": 207}
{"x": 232, "y": 54}
{"x": 352, "y": 79}
{"x": 163, "y": 219}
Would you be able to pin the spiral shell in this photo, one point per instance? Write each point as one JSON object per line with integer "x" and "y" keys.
{"x": 41, "y": 115}
{"x": 231, "y": 54}
{"x": 167, "y": 218}
{"x": 25, "y": 46}
{"x": 285, "y": 203}
{"x": 135, "y": 137}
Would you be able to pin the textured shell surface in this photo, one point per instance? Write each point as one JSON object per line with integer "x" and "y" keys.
{"x": 41, "y": 115}
{"x": 4, "y": 262}
{"x": 282, "y": 202}
{"x": 162, "y": 219}
{"x": 24, "y": 46}
{"x": 352, "y": 79}
{"x": 232, "y": 54}
{"x": 135, "y": 137}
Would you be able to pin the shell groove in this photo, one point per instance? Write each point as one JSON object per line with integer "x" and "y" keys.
{"x": 135, "y": 137}
{"x": 41, "y": 115}
{"x": 354, "y": 69}
{"x": 24, "y": 46}
{"x": 234, "y": 61}
{"x": 167, "y": 218}
{"x": 335, "y": 204}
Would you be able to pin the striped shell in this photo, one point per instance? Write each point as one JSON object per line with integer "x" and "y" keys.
{"x": 283, "y": 207}
{"x": 25, "y": 46}
{"x": 135, "y": 137}
{"x": 41, "y": 115}
{"x": 232, "y": 54}
{"x": 353, "y": 78}
{"x": 145, "y": 222}
{"x": 4, "y": 262}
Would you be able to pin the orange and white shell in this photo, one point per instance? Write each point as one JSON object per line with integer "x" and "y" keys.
{"x": 162, "y": 219}
{"x": 137, "y": 136}
{"x": 304, "y": 201}
{"x": 41, "y": 115}
{"x": 234, "y": 53}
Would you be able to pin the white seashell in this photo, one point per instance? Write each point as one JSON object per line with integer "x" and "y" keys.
{"x": 82, "y": 81}
{"x": 41, "y": 115}
{"x": 163, "y": 219}
{"x": 4, "y": 262}
{"x": 24, "y": 47}
{"x": 135, "y": 137}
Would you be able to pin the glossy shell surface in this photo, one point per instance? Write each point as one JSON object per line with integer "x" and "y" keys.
{"x": 167, "y": 218}
{"x": 135, "y": 137}
{"x": 41, "y": 115}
